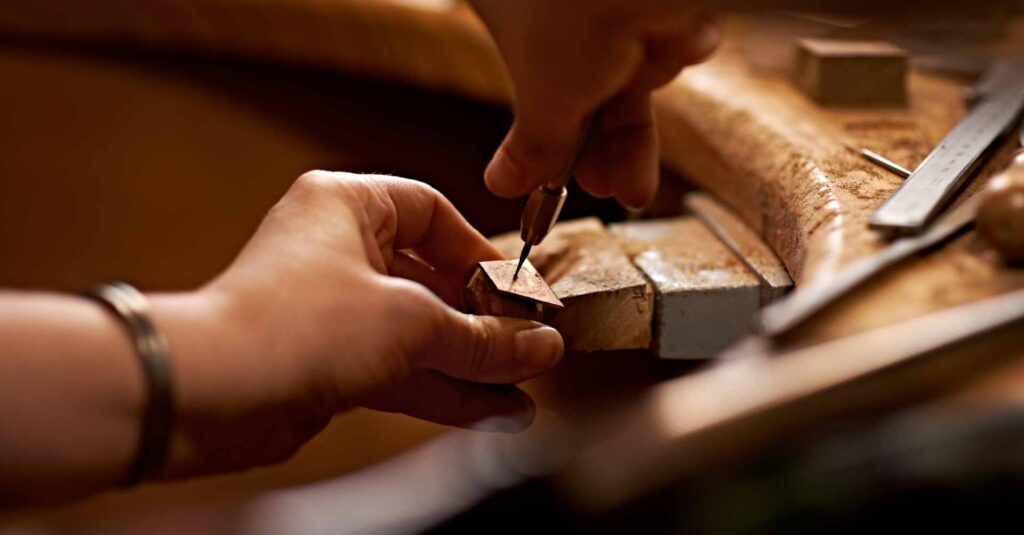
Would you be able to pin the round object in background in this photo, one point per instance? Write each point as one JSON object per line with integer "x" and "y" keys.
{"x": 1001, "y": 212}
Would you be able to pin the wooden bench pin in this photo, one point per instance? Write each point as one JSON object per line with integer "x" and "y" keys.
{"x": 493, "y": 291}
{"x": 608, "y": 303}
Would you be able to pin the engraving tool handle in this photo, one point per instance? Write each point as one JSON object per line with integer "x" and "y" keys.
{"x": 545, "y": 203}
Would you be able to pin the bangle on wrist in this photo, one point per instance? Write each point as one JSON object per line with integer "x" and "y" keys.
{"x": 132, "y": 309}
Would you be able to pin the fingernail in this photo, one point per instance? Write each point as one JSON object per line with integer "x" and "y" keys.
{"x": 500, "y": 424}
{"x": 635, "y": 206}
{"x": 511, "y": 422}
{"x": 708, "y": 37}
{"x": 503, "y": 177}
{"x": 635, "y": 210}
{"x": 538, "y": 348}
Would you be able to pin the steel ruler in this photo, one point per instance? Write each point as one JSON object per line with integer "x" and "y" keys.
{"x": 913, "y": 206}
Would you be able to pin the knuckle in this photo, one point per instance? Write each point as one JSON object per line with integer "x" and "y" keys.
{"x": 481, "y": 346}
{"x": 413, "y": 304}
{"x": 311, "y": 186}
{"x": 381, "y": 184}
{"x": 539, "y": 146}
{"x": 318, "y": 181}
{"x": 533, "y": 146}
{"x": 314, "y": 180}
{"x": 351, "y": 189}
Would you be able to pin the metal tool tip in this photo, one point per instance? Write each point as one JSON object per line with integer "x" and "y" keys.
{"x": 522, "y": 259}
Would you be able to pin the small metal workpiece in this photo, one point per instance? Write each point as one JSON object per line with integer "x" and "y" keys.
{"x": 530, "y": 285}
{"x": 880, "y": 160}
{"x": 545, "y": 203}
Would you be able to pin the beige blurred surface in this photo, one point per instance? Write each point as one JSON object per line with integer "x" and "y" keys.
{"x": 158, "y": 169}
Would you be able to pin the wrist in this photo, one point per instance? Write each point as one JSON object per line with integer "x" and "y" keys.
{"x": 223, "y": 372}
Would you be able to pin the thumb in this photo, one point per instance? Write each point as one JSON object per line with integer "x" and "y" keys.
{"x": 485, "y": 349}
{"x": 535, "y": 151}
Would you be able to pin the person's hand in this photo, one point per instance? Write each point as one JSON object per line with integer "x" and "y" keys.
{"x": 326, "y": 309}
{"x": 567, "y": 59}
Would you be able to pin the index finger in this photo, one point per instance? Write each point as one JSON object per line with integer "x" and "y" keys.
{"x": 424, "y": 220}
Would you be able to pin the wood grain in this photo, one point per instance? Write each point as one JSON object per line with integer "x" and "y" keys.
{"x": 705, "y": 297}
{"x": 608, "y": 303}
{"x": 744, "y": 243}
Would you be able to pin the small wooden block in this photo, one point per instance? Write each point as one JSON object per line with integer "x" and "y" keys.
{"x": 852, "y": 73}
{"x": 705, "y": 296}
{"x": 608, "y": 303}
{"x": 492, "y": 291}
{"x": 744, "y": 243}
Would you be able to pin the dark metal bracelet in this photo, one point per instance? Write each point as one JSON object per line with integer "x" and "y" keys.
{"x": 132, "y": 308}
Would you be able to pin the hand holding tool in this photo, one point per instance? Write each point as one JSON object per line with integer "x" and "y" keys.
{"x": 545, "y": 203}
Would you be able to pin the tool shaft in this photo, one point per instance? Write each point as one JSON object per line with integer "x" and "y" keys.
{"x": 545, "y": 203}
{"x": 881, "y": 161}
{"x": 522, "y": 259}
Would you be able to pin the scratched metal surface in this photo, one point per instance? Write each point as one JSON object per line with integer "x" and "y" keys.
{"x": 528, "y": 285}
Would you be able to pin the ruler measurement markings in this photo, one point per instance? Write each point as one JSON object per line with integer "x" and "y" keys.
{"x": 916, "y": 202}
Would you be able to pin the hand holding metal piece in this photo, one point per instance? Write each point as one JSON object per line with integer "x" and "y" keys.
{"x": 545, "y": 203}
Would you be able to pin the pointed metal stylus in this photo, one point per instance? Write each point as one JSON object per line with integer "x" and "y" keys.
{"x": 545, "y": 203}
{"x": 522, "y": 258}
{"x": 880, "y": 160}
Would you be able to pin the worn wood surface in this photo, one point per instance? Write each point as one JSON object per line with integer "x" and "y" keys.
{"x": 778, "y": 160}
{"x": 705, "y": 297}
{"x": 608, "y": 304}
{"x": 704, "y": 291}
{"x": 744, "y": 243}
